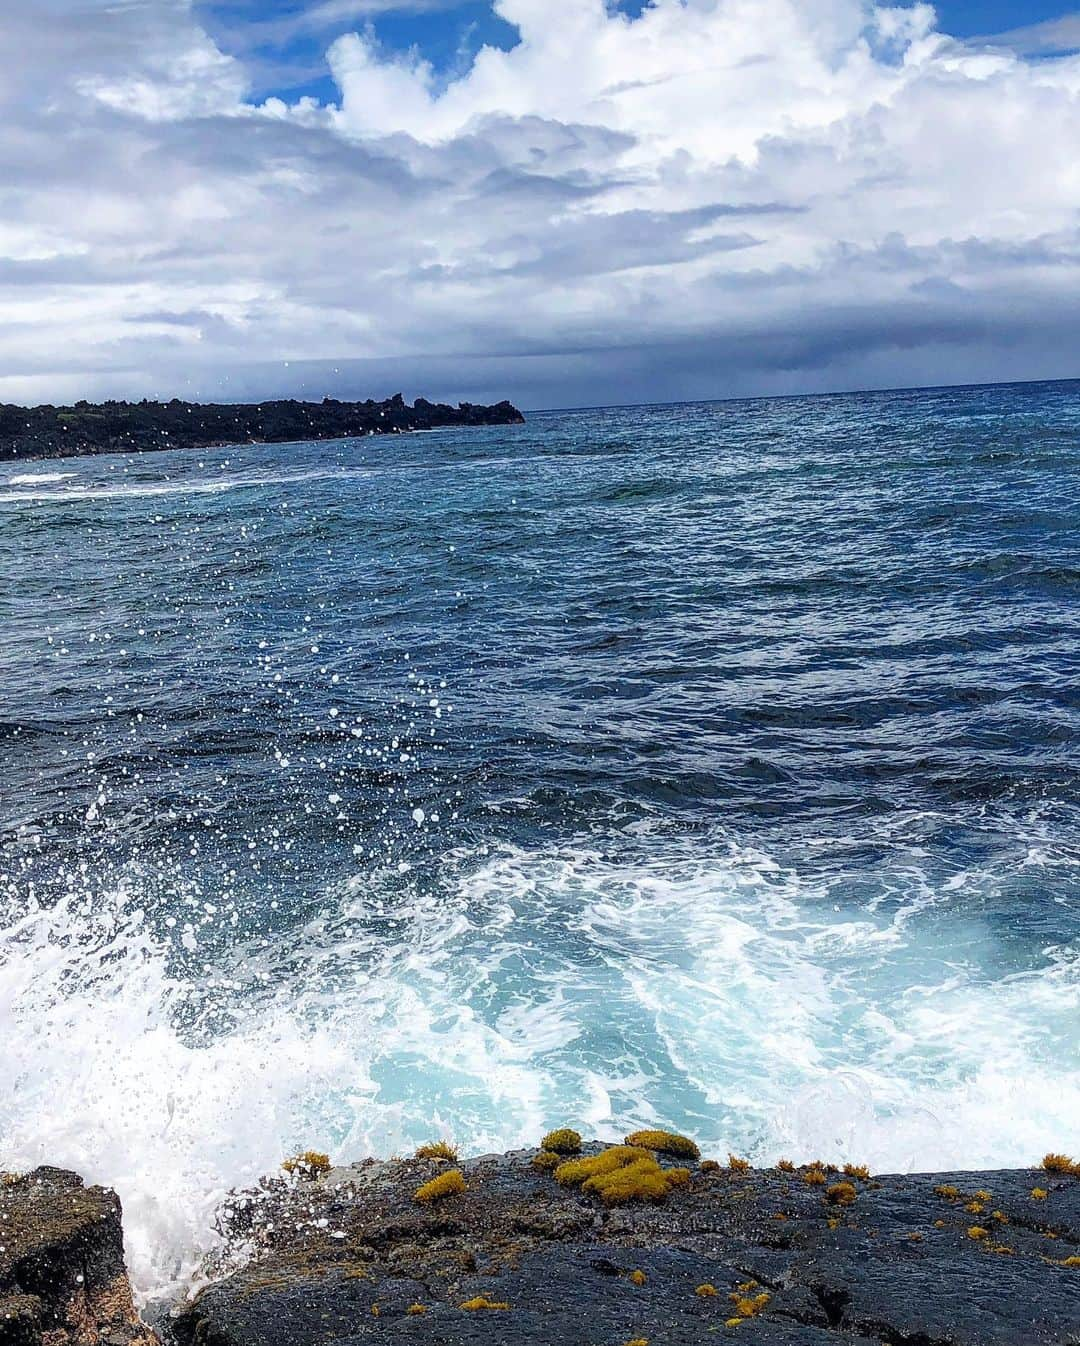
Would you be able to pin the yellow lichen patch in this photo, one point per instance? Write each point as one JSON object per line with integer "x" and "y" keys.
{"x": 482, "y": 1302}
{"x": 983, "y": 1195}
{"x": 437, "y": 1149}
{"x": 734, "y": 1322}
{"x": 564, "y": 1140}
{"x": 709, "y": 1166}
{"x": 915, "y": 1237}
{"x": 375, "y": 1310}
{"x": 706, "y": 1291}
{"x": 308, "y": 1165}
{"x": 747, "y": 1307}
{"x": 814, "y": 1177}
{"x": 975, "y": 1207}
{"x": 785, "y": 1166}
{"x": 1061, "y": 1163}
{"x": 841, "y": 1194}
{"x": 665, "y": 1142}
{"x": 977, "y": 1232}
{"x": 1070, "y": 1262}
{"x": 834, "y": 1222}
{"x": 948, "y": 1191}
{"x": 999, "y": 1216}
{"x": 638, "y": 1278}
{"x": 940, "y": 1224}
{"x": 638, "y": 1341}
{"x": 415, "y": 1309}
{"x": 738, "y": 1165}
{"x": 446, "y": 1184}
{"x": 1039, "y": 1194}
{"x": 857, "y": 1171}
{"x": 576, "y": 1171}
{"x": 547, "y": 1161}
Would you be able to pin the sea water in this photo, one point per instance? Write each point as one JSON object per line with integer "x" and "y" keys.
{"x": 711, "y": 766}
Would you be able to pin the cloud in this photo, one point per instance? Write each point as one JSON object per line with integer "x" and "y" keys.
{"x": 717, "y": 196}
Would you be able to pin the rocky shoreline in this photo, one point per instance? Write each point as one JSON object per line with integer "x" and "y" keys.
{"x": 586, "y": 1245}
{"x": 142, "y": 427}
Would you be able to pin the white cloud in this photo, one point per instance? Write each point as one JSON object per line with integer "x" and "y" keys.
{"x": 720, "y": 195}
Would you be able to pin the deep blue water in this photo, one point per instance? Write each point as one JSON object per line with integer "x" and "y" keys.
{"x": 713, "y": 763}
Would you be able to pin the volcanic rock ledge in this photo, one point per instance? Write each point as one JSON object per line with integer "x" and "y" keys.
{"x": 62, "y": 1277}
{"x": 141, "y": 427}
{"x": 524, "y": 1254}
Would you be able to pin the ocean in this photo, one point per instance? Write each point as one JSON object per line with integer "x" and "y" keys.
{"x": 711, "y": 765}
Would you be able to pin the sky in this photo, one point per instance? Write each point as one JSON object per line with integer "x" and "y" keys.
{"x": 564, "y": 202}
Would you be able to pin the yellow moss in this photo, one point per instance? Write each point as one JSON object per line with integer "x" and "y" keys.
{"x": 482, "y": 1302}
{"x": 638, "y": 1278}
{"x": 1039, "y": 1194}
{"x": 983, "y": 1195}
{"x": 857, "y": 1171}
{"x": 709, "y": 1166}
{"x": 1070, "y": 1262}
{"x": 308, "y": 1165}
{"x": 706, "y": 1291}
{"x": 747, "y": 1307}
{"x": 450, "y": 1183}
{"x": 841, "y": 1194}
{"x": 814, "y": 1177}
{"x": 414, "y": 1309}
{"x": 977, "y": 1232}
{"x": 437, "y": 1149}
{"x": 643, "y": 1181}
{"x": 785, "y": 1166}
{"x": 1061, "y": 1163}
{"x": 576, "y": 1171}
{"x": 738, "y": 1165}
{"x": 948, "y": 1191}
{"x": 834, "y": 1222}
{"x": 620, "y": 1174}
{"x": 746, "y": 1288}
{"x": 665, "y": 1142}
{"x": 999, "y": 1216}
{"x": 547, "y": 1161}
{"x": 562, "y": 1141}
{"x": 975, "y": 1207}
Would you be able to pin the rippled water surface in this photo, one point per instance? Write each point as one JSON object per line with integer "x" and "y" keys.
{"x": 713, "y": 764}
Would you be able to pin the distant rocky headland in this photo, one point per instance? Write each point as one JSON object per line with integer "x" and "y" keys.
{"x": 140, "y": 427}
{"x": 571, "y": 1244}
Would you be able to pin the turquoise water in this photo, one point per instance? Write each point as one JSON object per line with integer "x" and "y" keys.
{"x": 712, "y": 764}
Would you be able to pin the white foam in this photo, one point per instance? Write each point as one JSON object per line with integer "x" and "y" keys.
{"x": 716, "y": 993}
{"x": 38, "y": 478}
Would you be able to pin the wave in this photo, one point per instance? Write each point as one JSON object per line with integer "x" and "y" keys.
{"x": 718, "y": 992}
{"x": 38, "y": 478}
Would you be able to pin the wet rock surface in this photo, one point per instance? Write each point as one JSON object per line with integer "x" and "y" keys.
{"x": 62, "y": 1277}
{"x": 134, "y": 427}
{"x": 760, "y": 1256}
